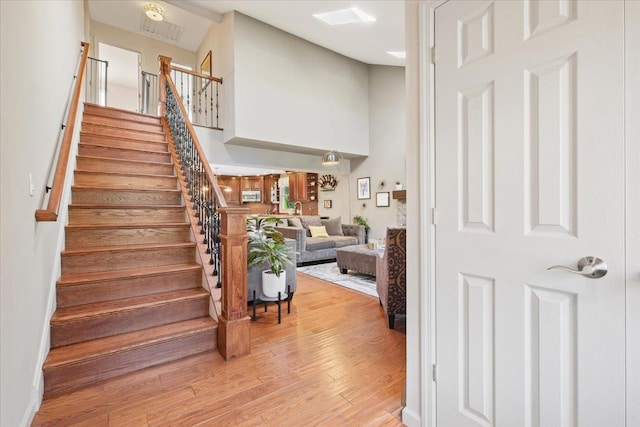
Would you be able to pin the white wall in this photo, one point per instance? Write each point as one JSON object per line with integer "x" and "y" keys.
{"x": 386, "y": 161}
{"x": 148, "y": 48}
{"x": 219, "y": 40}
{"x": 124, "y": 97}
{"x": 292, "y": 92}
{"x": 39, "y": 48}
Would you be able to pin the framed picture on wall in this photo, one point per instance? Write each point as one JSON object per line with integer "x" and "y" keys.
{"x": 382, "y": 199}
{"x": 364, "y": 188}
{"x": 327, "y": 204}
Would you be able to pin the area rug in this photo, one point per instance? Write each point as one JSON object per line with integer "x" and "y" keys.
{"x": 331, "y": 273}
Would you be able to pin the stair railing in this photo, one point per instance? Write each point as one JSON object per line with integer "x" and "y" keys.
{"x": 95, "y": 89}
{"x": 149, "y": 100}
{"x": 57, "y": 186}
{"x": 200, "y": 95}
{"x": 223, "y": 228}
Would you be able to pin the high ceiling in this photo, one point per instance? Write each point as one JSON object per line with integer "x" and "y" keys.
{"x": 367, "y": 42}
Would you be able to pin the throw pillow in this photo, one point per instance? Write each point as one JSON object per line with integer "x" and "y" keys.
{"x": 310, "y": 220}
{"x": 295, "y": 222}
{"x": 333, "y": 226}
{"x": 318, "y": 231}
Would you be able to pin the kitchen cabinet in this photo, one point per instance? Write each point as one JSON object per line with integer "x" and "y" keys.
{"x": 303, "y": 186}
{"x": 230, "y": 187}
{"x": 252, "y": 183}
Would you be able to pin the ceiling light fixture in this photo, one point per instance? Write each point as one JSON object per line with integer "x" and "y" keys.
{"x": 344, "y": 16}
{"x": 154, "y": 12}
{"x": 398, "y": 54}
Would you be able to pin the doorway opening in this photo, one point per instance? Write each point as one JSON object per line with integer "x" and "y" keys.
{"x": 124, "y": 69}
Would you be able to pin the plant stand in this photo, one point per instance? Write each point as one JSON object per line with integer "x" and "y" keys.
{"x": 278, "y": 301}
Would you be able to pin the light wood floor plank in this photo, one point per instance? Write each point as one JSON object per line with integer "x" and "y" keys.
{"x": 331, "y": 362}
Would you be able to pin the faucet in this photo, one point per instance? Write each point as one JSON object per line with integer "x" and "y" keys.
{"x": 297, "y": 211}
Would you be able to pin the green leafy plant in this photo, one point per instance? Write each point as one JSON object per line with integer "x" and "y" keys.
{"x": 361, "y": 221}
{"x": 266, "y": 244}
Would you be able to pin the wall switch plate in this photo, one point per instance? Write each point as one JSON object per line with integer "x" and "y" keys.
{"x": 31, "y": 187}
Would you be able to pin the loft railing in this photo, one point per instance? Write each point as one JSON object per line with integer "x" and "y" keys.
{"x": 222, "y": 228}
{"x": 57, "y": 186}
{"x": 200, "y": 95}
{"x": 95, "y": 88}
{"x": 149, "y": 98}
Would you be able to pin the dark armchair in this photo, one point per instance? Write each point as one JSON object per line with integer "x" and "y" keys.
{"x": 391, "y": 274}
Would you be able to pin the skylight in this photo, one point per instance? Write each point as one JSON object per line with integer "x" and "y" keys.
{"x": 344, "y": 16}
{"x": 398, "y": 54}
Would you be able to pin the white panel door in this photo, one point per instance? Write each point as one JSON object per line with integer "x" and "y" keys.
{"x": 529, "y": 174}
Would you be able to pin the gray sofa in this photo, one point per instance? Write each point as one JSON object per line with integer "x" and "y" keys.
{"x": 312, "y": 249}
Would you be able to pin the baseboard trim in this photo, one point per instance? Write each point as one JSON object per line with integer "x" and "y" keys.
{"x": 410, "y": 418}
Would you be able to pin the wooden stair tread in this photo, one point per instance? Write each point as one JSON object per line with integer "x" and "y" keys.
{"x": 116, "y": 128}
{"x": 81, "y": 352}
{"x": 97, "y": 109}
{"x": 72, "y": 279}
{"x": 94, "y": 187}
{"x": 127, "y": 226}
{"x": 107, "y": 139}
{"x": 127, "y": 248}
{"x": 137, "y": 175}
{"x": 95, "y": 206}
{"x": 87, "y": 144}
{"x": 133, "y": 161}
{"x": 69, "y": 314}
{"x": 93, "y": 115}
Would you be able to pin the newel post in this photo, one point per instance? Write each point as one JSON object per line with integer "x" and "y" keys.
{"x": 233, "y": 323}
{"x": 165, "y": 67}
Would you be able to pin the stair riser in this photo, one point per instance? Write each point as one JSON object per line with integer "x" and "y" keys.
{"x": 150, "y": 215}
{"x": 121, "y": 260}
{"x": 95, "y": 164}
{"x": 110, "y": 290}
{"x": 90, "y": 371}
{"x": 95, "y": 238}
{"x": 122, "y": 153}
{"x": 125, "y": 124}
{"x": 120, "y": 114}
{"x": 110, "y": 324}
{"x": 124, "y": 143}
{"x": 100, "y": 179}
{"x": 124, "y": 198}
{"x": 123, "y": 133}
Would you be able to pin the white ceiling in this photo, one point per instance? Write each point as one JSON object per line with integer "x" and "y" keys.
{"x": 367, "y": 42}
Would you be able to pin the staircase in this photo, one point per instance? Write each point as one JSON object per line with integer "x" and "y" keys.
{"x": 130, "y": 294}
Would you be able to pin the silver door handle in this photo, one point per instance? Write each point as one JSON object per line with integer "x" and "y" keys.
{"x": 589, "y": 266}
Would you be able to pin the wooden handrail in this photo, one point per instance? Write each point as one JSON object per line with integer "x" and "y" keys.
{"x": 53, "y": 206}
{"x": 210, "y": 175}
{"x": 194, "y": 73}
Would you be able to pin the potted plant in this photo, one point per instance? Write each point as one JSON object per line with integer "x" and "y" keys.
{"x": 363, "y": 222}
{"x": 267, "y": 245}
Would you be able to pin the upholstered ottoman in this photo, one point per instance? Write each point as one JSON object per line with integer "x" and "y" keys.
{"x": 358, "y": 258}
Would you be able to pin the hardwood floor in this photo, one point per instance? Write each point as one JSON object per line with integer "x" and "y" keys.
{"x": 331, "y": 362}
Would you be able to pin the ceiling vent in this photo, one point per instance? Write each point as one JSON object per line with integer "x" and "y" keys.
{"x": 160, "y": 28}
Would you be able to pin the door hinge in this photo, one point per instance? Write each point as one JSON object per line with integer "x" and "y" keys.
{"x": 434, "y": 373}
{"x": 434, "y": 216}
{"x": 434, "y": 55}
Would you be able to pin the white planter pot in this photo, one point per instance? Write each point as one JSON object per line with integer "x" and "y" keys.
{"x": 272, "y": 284}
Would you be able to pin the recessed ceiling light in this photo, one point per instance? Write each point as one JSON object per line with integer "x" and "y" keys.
{"x": 398, "y": 54}
{"x": 344, "y": 16}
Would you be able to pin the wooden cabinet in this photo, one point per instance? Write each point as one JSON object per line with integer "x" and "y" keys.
{"x": 252, "y": 183}
{"x": 303, "y": 186}
{"x": 230, "y": 187}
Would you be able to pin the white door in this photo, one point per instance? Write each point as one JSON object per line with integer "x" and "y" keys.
{"x": 529, "y": 174}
